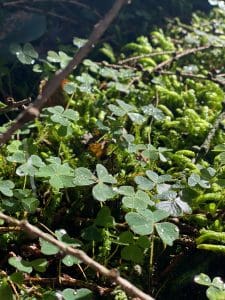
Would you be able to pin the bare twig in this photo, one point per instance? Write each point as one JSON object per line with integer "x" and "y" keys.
{"x": 13, "y": 3}
{"x": 113, "y": 274}
{"x": 179, "y": 55}
{"x": 9, "y": 229}
{"x": 68, "y": 281}
{"x": 15, "y": 105}
{"x": 135, "y": 58}
{"x": 34, "y": 109}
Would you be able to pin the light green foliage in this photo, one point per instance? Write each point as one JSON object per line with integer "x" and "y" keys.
{"x": 26, "y": 54}
{"x": 216, "y": 287}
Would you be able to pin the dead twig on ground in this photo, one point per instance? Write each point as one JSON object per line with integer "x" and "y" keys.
{"x": 113, "y": 274}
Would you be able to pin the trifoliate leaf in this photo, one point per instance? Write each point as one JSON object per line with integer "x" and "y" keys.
{"x": 83, "y": 176}
{"x": 20, "y": 264}
{"x": 102, "y": 192}
{"x": 168, "y": 232}
{"x": 103, "y": 174}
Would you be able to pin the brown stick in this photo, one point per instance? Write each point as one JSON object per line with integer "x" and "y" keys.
{"x": 178, "y": 56}
{"x": 14, "y": 105}
{"x": 34, "y": 109}
{"x": 66, "y": 280}
{"x": 113, "y": 274}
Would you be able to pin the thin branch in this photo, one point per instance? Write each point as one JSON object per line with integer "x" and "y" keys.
{"x": 9, "y": 229}
{"x": 66, "y": 280}
{"x": 113, "y": 274}
{"x": 13, "y": 3}
{"x": 179, "y": 55}
{"x": 14, "y": 105}
{"x": 152, "y": 54}
{"x": 34, "y": 109}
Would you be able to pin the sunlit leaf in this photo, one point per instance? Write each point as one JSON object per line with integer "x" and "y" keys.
{"x": 168, "y": 232}
{"x": 102, "y": 192}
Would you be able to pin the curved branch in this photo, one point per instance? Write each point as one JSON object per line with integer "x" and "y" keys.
{"x": 35, "y": 108}
{"x": 113, "y": 274}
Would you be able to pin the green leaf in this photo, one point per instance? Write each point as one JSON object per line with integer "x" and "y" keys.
{"x": 214, "y": 293}
{"x": 14, "y": 146}
{"x": 102, "y": 192}
{"x": 18, "y": 157}
{"x": 94, "y": 67}
{"x": 126, "y": 237}
{"x": 116, "y": 110}
{"x": 126, "y": 107}
{"x": 53, "y": 57}
{"x": 29, "y": 51}
{"x": 139, "y": 223}
{"x": 132, "y": 253}
{"x": 17, "y": 277}
{"x": 6, "y": 187}
{"x": 70, "y": 260}
{"x": 104, "y": 218}
{"x": 20, "y": 264}
{"x": 30, "y": 167}
{"x": 103, "y": 174}
{"x": 125, "y": 190}
{"x": 30, "y": 204}
{"x": 168, "y": 232}
{"x": 144, "y": 183}
{"x": 109, "y": 73}
{"x": 136, "y": 118}
{"x": 219, "y": 148}
{"x": 175, "y": 207}
{"x": 218, "y": 283}
{"x": 49, "y": 295}
{"x": 39, "y": 264}
{"x": 64, "y": 59}
{"x": 203, "y": 279}
{"x": 92, "y": 233}
{"x": 107, "y": 50}
{"x": 63, "y": 117}
{"x": 152, "y": 176}
{"x": 6, "y": 291}
{"x": 207, "y": 173}
{"x": 15, "y": 48}
{"x": 164, "y": 178}
{"x": 25, "y": 54}
{"x": 70, "y": 88}
{"x": 48, "y": 248}
{"x": 61, "y": 175}
{"x": 143, "y": 242}
{"x": 156, "y": 113}
{"x": 79, "y": 294}
{"x": 65, "y": 238}
{"x": 195, "y": 179}
{"x": 159, "y": 215}
{"x": 78, "y": 42}
{"x": 139, "y": 200}
{"x": 83, "y": 177}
